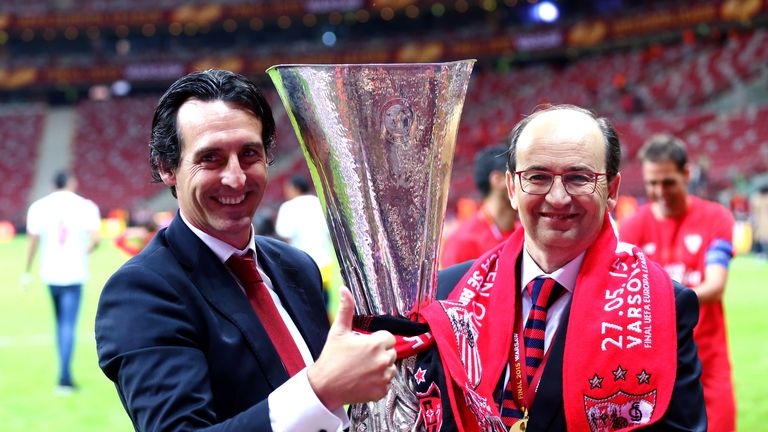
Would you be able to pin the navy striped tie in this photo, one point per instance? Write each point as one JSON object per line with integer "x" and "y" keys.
{"x": 544, "y": 292}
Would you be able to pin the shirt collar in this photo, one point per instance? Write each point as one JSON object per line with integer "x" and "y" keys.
{"x": 222, "y": 249}
{"x": 565, "y": 275}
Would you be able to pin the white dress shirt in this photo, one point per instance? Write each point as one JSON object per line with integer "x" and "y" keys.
{"x": 565, "y": 276}
{"x": 293, "y": 406}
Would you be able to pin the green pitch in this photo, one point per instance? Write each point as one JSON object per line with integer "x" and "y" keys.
{"x": 28, "y": 365}
{"x": 28, "y": 361}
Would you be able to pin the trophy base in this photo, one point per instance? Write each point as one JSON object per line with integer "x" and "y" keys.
{"x": 398, "y": 411}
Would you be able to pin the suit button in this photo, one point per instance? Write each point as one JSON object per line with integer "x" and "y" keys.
{"x": 322, "y": 430}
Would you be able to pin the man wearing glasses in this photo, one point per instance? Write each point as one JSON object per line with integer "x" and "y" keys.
{"x": 561, "y": 327}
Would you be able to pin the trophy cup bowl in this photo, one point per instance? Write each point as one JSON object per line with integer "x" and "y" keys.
{"x": 379, "y": 142}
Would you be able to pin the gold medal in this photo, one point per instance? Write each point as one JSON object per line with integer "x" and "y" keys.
{"x": 521, "y": 424}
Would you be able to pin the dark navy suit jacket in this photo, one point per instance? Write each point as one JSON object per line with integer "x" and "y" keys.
{"x": 686, "y": 411}
{"x": 176, "y": 334}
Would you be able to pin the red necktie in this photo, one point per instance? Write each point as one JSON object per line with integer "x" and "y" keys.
{"x": 244, "y": 267}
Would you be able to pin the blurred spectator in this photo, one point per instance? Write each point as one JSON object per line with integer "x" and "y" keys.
{"x": 739, "y": 205}
{"x": 493, "y": 222}
{"x": 135, "y": 238}
{"x": 759, "y": 206}
{"x": 300, "y": 222}
{"x": 630, "y": 102}
{"x": 693, "y": 239}
{"x": 699, "y": 182}
{"x": 264, "y": 223}
{"x": 142, "y": 227}
{"x": 65, "y": 226}
{"x": 626, "y": 206}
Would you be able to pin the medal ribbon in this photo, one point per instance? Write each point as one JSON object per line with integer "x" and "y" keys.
{"x": 522, "y": 393}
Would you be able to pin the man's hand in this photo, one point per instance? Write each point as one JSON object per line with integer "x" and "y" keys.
{"x": 353, "y": 368}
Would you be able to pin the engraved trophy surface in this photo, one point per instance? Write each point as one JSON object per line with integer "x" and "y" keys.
{"x": 379, "y": 142}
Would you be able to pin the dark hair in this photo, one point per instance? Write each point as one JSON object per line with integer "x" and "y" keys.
{"x": 300, "y": 183}
{"x": 664, "y": 148}
{"x": 60, "y": 179}
{"x": 264, "y": 223}
{"x": 209, "y": 85}
{"x": 611, "y": 138}
{"x": 488, "y": 160}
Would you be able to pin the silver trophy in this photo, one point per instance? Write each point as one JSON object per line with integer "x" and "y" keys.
{"x": 379, "y": 142}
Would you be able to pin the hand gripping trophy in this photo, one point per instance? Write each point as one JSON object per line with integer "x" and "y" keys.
{"x": 379, "y": 142}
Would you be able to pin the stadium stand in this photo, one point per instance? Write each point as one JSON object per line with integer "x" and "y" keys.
{"x": 20, "y": 132}
{"x": 111, "y": 151}
{"x": 668, "y": 81}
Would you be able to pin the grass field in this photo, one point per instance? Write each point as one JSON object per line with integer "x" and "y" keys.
{"x": 28, "y": 362}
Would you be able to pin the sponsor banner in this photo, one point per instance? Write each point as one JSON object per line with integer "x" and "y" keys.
{"x": 326, "y": 6}
{"x": 540, "y": 40}
{"x": 153, "y": 71}
{"x": 17, "y": 78}
{"x": 594, "y": 31}
{"x": 622, "y": 26}
{"x": 75, "y": 75}
{"x": 83, "y": 19}
{"x": 478, "y": 47}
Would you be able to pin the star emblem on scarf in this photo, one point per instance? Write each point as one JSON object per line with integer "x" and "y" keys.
{"x": 643, "y": 377}
{"x": 620, "y": 374}
{"x": 420, "y": 375}
{"x": 595, "y": 382}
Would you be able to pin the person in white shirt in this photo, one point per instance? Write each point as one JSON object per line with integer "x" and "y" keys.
{"x": 300, "y": 222}
{"x": 211, "y": 327}
{"x": 65, "y": 227}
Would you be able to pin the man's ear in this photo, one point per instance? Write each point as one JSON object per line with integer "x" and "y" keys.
{"x": 168, "y": 176}
{"x": 613, "y": 192}
{"x": 687, "y": 173}
{"x": 497, "y": 180}
{"x": 510, "y": 178}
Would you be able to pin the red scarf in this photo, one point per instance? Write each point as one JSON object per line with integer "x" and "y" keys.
{"x": 619, "y": 367}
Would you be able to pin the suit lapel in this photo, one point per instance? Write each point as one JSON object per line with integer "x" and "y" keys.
{"x": 222, "y": 291}
{"x": 283, "y": 276}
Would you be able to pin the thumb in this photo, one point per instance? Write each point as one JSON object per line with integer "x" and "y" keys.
{"x": 343, "y": 322}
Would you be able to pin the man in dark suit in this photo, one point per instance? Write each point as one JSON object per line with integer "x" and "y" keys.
{"x": 193, "y": 334}
{"x": 562, "y": 327}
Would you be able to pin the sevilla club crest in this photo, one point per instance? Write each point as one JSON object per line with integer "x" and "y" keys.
{"x": 430, "y": 409}
{"x": 619, "y": 410}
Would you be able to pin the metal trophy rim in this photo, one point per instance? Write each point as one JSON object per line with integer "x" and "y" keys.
{"x": 368, "y": 65}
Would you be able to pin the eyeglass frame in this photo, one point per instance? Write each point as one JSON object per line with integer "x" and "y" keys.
{"x": 560, "y": 174}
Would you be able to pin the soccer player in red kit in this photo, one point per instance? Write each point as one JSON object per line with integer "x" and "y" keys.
{"x": 692, "y": 239}
{"x": 495, "y": 219}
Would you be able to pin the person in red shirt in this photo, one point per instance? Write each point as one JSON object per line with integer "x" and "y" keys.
{"x": 493, "y": 222}
{"x": 134, "y": 239}
{"x": 692, "y": 239}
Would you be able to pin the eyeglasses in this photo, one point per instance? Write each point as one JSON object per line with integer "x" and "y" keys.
{"x": 537, "y": 182}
